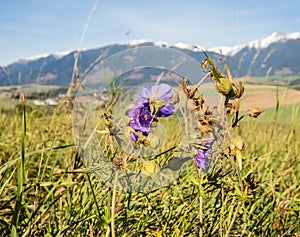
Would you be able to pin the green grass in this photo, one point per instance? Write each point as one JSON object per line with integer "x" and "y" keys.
{"x": 274, "y": 80}
{"x": 8, "y": 103}
{"x": 29, "y": 88}
{"x": 59, "y": 198}
{"x": 286, "y": 114}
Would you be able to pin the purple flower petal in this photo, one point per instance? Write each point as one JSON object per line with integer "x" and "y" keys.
{"x": 140, "y": 118}
{"x": 202, "y": 159}
{"x": 158, "y": 92}
{"x": 165, "y": 111}
{"x": 134, "y": 136}
{"x": 207, "y": 141}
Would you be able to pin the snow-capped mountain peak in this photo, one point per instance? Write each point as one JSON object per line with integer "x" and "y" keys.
{"x": 227, "y": 50}
{"x": 273, "y": 38}
{"x": 257, "y": 44}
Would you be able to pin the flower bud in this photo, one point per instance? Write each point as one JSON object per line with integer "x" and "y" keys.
{"x": 149, "y": 167}
{"x": 224, "y": 85}
{"x": 108, "y": 123}
{"x": 238, "y": 142}
{"x": 204, "y": 64}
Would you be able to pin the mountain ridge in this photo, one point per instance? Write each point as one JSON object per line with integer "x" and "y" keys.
{"x": 275, "y": 54}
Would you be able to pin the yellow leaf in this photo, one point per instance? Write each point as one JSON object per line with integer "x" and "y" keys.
{"x": 239, "y": 158}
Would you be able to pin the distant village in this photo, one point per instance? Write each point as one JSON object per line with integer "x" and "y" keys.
{"x": 97, "y": 98}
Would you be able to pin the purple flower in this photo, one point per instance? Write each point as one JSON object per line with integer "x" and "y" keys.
{"x": 208, "y": 142}
{"x": 140, "y": 118}
{"x": 158, "y": 96}
{"x": 152, "y": 102}
{"x": 201, "y": 157}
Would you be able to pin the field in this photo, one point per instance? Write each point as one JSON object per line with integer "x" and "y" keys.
{"x": 45, "y": 190}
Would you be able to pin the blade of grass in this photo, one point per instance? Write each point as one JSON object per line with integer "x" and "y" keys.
{"x": 18, "y": 206}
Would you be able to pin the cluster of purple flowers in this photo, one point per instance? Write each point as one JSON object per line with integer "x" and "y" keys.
{"x": 202, "y": 156}
{"x": 156, "y": 101}
{"x": 152, "y": 102}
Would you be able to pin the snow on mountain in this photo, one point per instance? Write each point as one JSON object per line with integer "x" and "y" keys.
{"x": 139, "y": 41}
{"x": 40, "y": 56}
{"x": 227, "y": 50}
{"x": 160, "y": 44}
{"x": 184, "y": 46}
{"x": 257, "y": 44}
{"x": 224, "y": 50}
{"x": 273, "y": 38}
{"x": 61, "y": 54}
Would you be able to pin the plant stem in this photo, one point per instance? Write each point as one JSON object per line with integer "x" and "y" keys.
{"x": 233, "y": 219}
{"x": 200, "y": 177}
{"x": 201, "y": 216}
{"x": 203, "y": 79}
{"x": 113, "y": 206}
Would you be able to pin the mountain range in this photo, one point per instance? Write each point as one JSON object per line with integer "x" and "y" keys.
{"x": 276, "y": 54}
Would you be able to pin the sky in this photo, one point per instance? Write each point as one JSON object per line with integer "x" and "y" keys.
{"x": 34, "y": 27}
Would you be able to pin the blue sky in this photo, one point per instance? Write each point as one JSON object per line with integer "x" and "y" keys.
{"x": 32, "y": 27}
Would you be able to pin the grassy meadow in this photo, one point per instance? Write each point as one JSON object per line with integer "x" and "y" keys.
{"x": 45, "y": 190}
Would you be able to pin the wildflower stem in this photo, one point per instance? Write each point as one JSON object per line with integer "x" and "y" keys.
{"x": 199, "y": 175}
{"x": 93, "y": 193}
{"x": 233, "y": 219}
{"x": 203, "y": 79}
{"x": 223, "y": 109}
{"x": 201, "y": 216}
{"x": 113, "y": 206}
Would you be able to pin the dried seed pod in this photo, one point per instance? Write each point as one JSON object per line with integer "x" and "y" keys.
{"x": 198, "y": 102}
{"x": 118, "y": 162}
{"x": 230, "y": 107}
{"x": 188, "y": 91}
{"x": 255, "y": 112}
{"x": 204, "y": 126}
{"x": 241, "y": 90}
